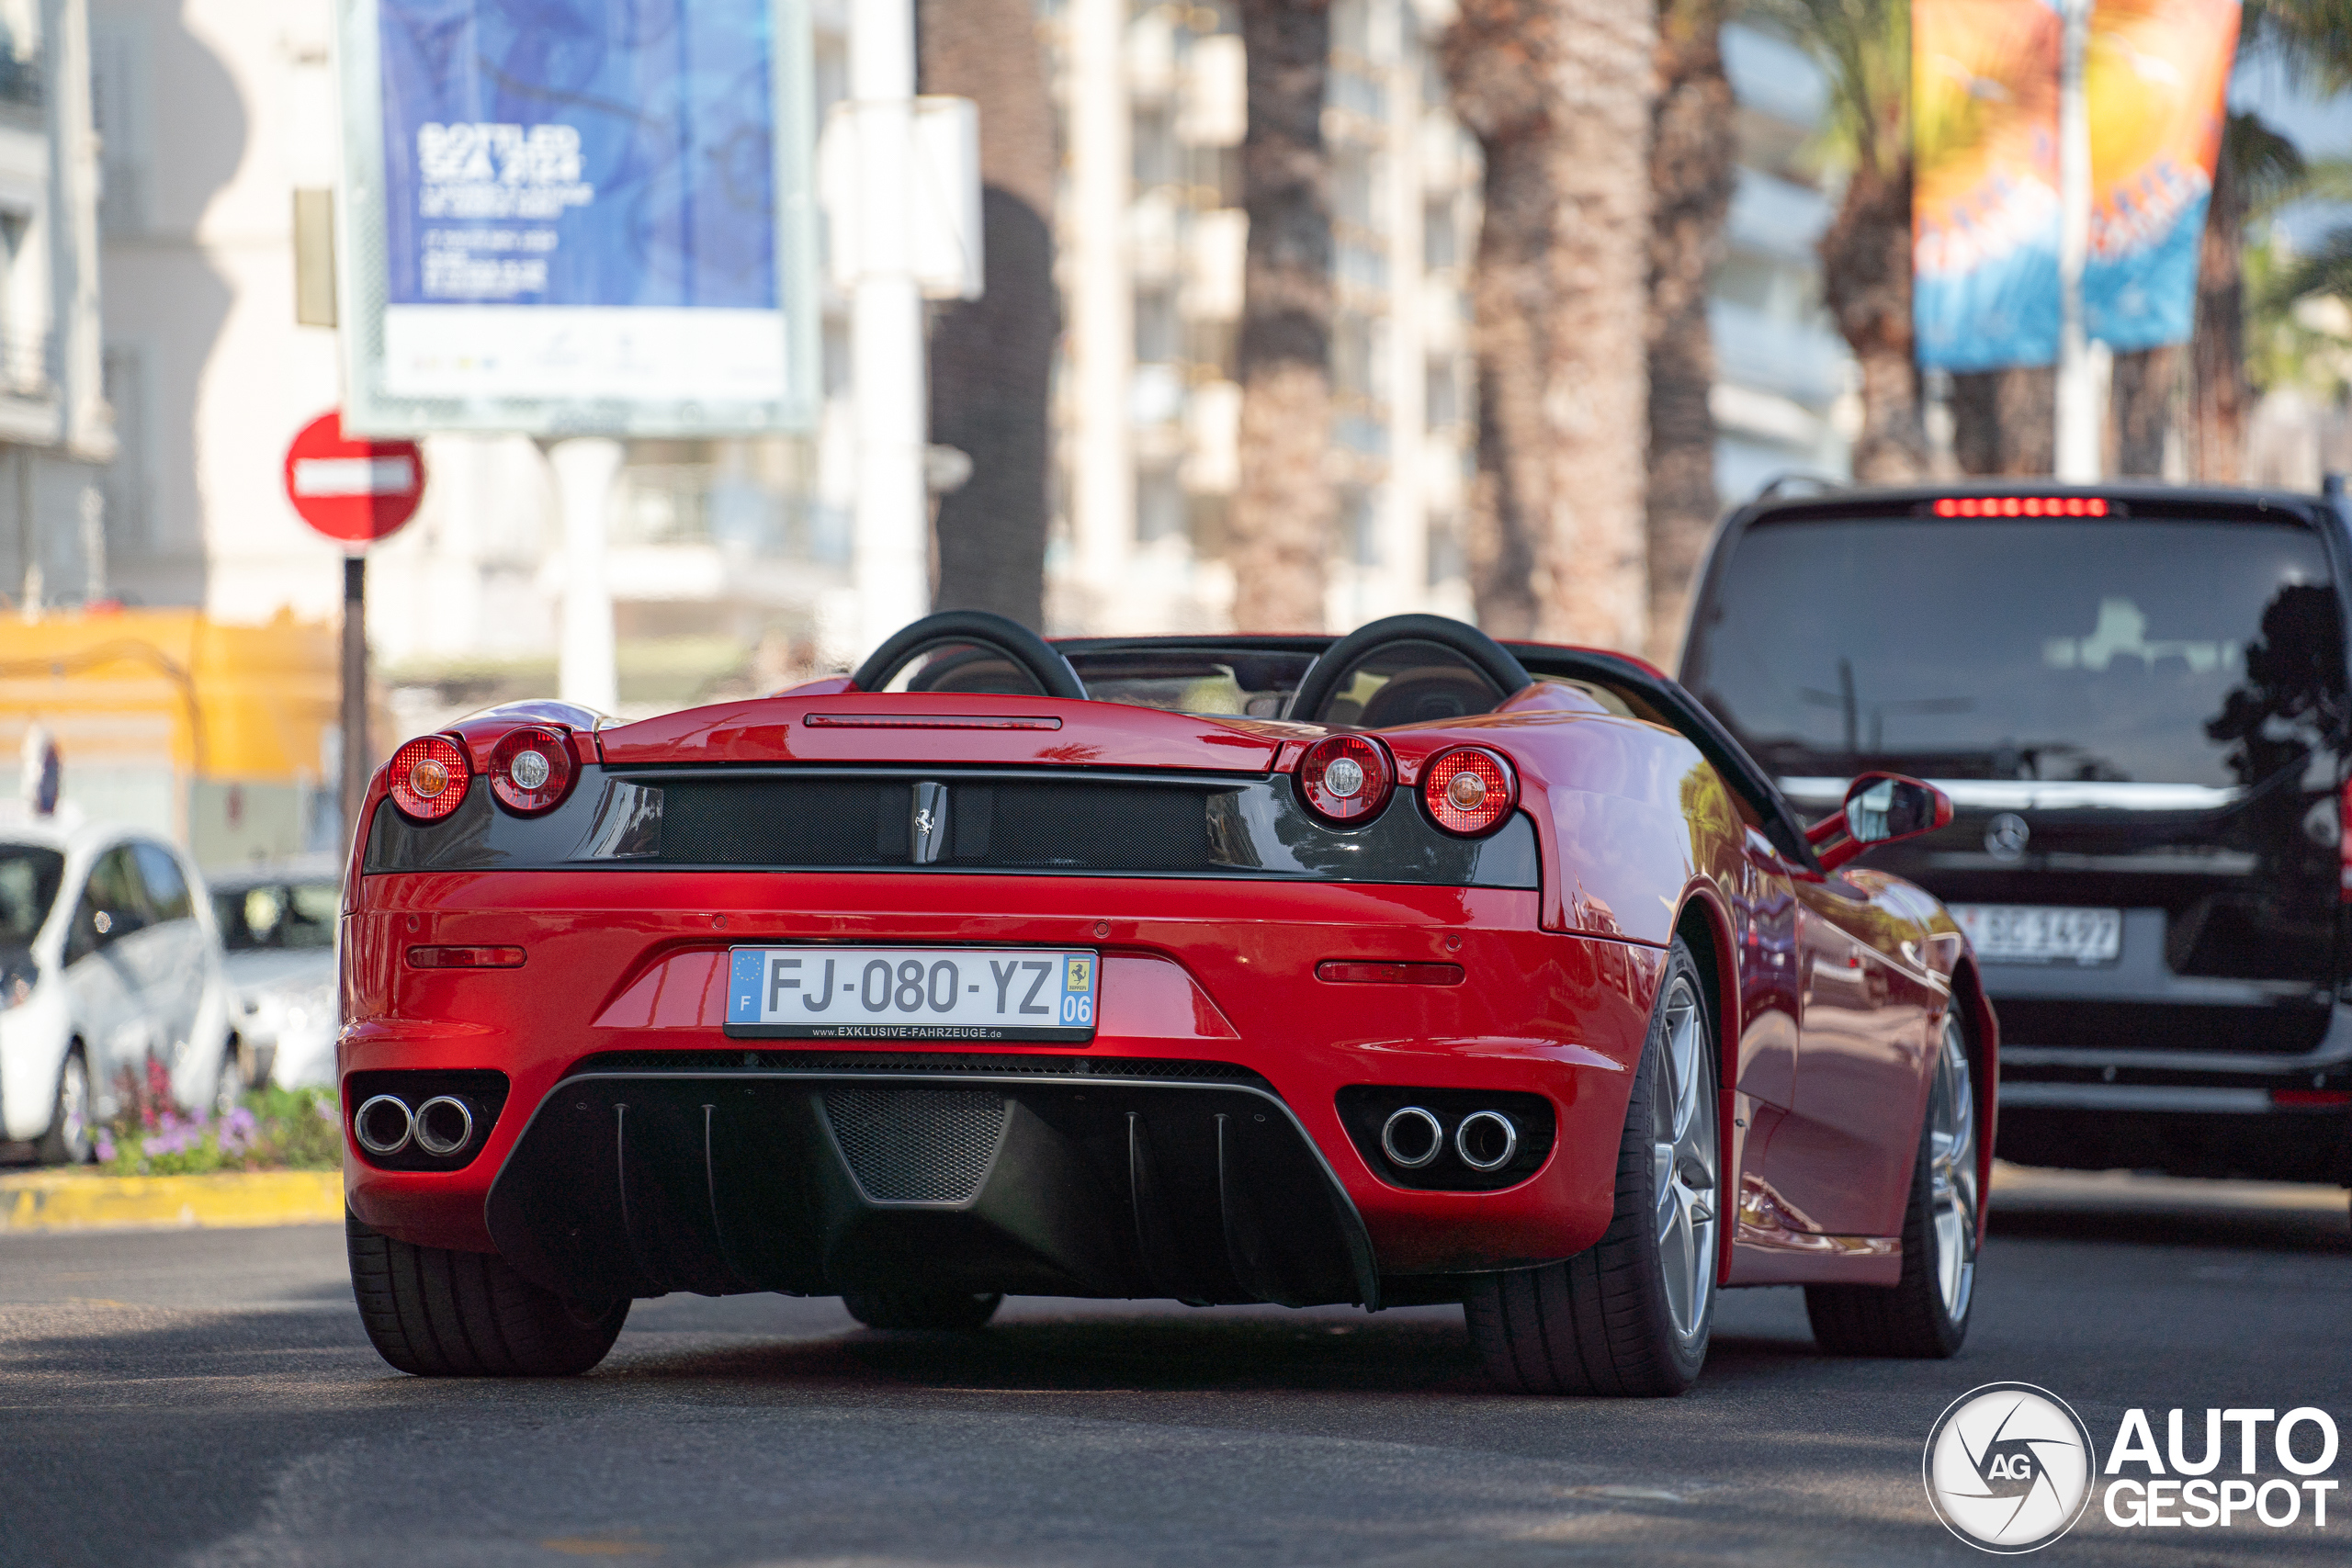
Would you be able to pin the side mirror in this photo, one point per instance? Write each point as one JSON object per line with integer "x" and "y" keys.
{"x": 1880, "y": 809}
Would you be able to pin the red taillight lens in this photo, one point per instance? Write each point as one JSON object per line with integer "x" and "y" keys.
{"x": 429, "y": 777}
{"x": 1346, "y": 778}
{"x": 531, "y": 770}
{"x": 1469, "y": 790}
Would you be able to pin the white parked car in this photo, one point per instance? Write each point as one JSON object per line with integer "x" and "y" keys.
{"x": 278, "y": 933}
{"x": 108, "y": 958}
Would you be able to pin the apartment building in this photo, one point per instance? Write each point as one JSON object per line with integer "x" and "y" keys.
{"x": 56, "y": 430}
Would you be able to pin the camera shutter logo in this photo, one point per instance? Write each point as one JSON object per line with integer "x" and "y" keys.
{"x": 2010, "y": 1467}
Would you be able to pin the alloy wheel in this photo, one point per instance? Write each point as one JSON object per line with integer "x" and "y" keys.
{"x": 1682, "y": 1162}
{"x": 1951, "y": 1171}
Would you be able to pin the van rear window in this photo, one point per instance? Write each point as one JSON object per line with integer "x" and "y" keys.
{"x": 2139, "y": 650}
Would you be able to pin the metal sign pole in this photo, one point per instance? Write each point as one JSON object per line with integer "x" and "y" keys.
{"x": 2078, "y": 399}
{"x": 355, "y": 689}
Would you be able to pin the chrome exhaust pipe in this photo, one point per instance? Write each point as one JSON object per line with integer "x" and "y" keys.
{"x": 445, "y": 1124}
{"x": 1411, "y": 1137}
{"x": 1486, "y": 1140}
{"x": 384, "y": 1126}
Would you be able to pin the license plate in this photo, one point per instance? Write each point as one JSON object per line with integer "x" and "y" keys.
{"x": 2034, "y": 933}
{"x": 911, "y": 993}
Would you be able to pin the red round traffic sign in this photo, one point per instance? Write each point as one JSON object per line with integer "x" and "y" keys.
{"x": 355, "y": 493}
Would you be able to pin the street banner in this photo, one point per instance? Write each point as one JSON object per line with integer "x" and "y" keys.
{"x": 577, "y": 215}
{"x": 2157, "y": 78}
{"x": 1984, "y": 206}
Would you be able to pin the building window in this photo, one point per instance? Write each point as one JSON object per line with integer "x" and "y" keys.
{"x": 1161, "y": 511}
{"x": 1159, "y": 334}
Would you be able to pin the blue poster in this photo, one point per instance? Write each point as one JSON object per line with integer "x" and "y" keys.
{"x": 580, "y": 213}
{"x": 579, "y": 152}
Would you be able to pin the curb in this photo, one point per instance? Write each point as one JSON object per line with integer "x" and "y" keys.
{"x": 68, "y": 1201}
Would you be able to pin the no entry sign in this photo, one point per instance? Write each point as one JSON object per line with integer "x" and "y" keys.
{"x": 355, "y": 493}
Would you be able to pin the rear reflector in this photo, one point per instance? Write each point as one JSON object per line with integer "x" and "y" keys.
{"x": 2021, "y": 506}
{"x": 1348, "y": 971}
{"x": 927, "y": 721}
{"x": 465, "y": 958}
{"x": 2318, "y": 1097}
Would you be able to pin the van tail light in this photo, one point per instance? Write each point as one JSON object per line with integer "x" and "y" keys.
{"x": 1469, "y": 790}
{"x": 429, "y": 778}
{"x": 531, "y": 770}
{"x": 1346, "y": 778}
{"x": 2343, "y": 844}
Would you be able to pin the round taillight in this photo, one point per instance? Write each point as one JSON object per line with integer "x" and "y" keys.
{"x": 531, "y": 769}
{"x": 429, "y": 777}
{"x": 1469, "y": 790}
{"x": 1346, "y": 778}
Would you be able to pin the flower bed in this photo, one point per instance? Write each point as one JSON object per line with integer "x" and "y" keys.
{"x": 269, "y": 1129}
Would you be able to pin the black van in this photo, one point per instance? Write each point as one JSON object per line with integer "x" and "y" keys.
{"x": 2139, "y": 702}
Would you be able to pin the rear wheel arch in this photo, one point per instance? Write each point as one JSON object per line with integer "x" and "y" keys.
{"x": 1705, "y": 930}
{"x": 1981, "y": 1027}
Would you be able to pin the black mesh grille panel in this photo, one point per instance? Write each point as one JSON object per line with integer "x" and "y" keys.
{"x": 1060, "y": 825}
{"x": 918, "y": 1145}
{"x": 784, "y": 822}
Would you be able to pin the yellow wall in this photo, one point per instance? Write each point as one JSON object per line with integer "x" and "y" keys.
{"x": 212, "y": 733}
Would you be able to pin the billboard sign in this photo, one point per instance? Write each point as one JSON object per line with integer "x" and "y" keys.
{"x": 569, "y": 217}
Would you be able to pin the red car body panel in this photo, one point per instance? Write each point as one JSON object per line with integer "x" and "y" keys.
{"x": 1830, "y": 989}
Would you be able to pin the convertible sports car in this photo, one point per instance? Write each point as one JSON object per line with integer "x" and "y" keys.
{"x": 1480, "y": 974}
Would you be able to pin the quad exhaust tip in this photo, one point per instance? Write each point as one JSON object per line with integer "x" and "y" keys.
{"x": 1486, "y": 1140}
{"x": 442, "y": 1126}
{"x": 384, "y": 1126}
{"x": 1412, "y": 1137}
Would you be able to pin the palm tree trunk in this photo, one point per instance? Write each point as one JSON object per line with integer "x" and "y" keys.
{"x": 1594, "y": 553}
{"x": 991, "y": 358}
{"x": 1691, "y": 180}
{"x": 2220, "y": 394}
{"x": 1282, "y": 511}
{"x": 2140, "y": 400}
{"x": 2006, "y": 422}
{"x": 1866, "y": 281}
{"x": 1497, "y": 62}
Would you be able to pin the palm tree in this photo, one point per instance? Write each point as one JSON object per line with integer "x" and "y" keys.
{"x": 1283, "y": 510}
{"x": 1559, "y": 94}
{"x": 1497, "y": 63}
{"x": 1692, "y": 144}
{"x": 2312, "y": 41}
{"x": 991, "y": 358}
{"x": 1864, "y": 47}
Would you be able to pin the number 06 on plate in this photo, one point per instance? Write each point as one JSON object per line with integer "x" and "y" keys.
{"x": 911, "y": 993}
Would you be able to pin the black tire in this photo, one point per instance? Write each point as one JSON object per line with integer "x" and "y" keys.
{"x": 70, "y": 1139}
{"x": 439, "y": 1313}
{"x": 1604, "y": 1322}
{"x": 953, "y": 1311}
{"x": 1911, "y": 1318}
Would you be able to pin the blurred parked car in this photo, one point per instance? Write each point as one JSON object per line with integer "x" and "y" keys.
{"x": 277, "y": 925}
{"x": 2136, "y": 697}
{"x": 109, "y": 960}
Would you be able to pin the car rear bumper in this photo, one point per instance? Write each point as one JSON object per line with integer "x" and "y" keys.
{"x": 1110, "y": 1181}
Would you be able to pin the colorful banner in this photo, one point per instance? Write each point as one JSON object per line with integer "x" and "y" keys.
{"x": 2157, "y": 77}
{"x": 1985, "y": 207}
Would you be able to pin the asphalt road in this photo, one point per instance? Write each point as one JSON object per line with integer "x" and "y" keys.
{"x": 207, "y": 1398}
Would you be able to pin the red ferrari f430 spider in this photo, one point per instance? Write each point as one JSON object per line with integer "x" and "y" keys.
{"x": 1404, "y": 967}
